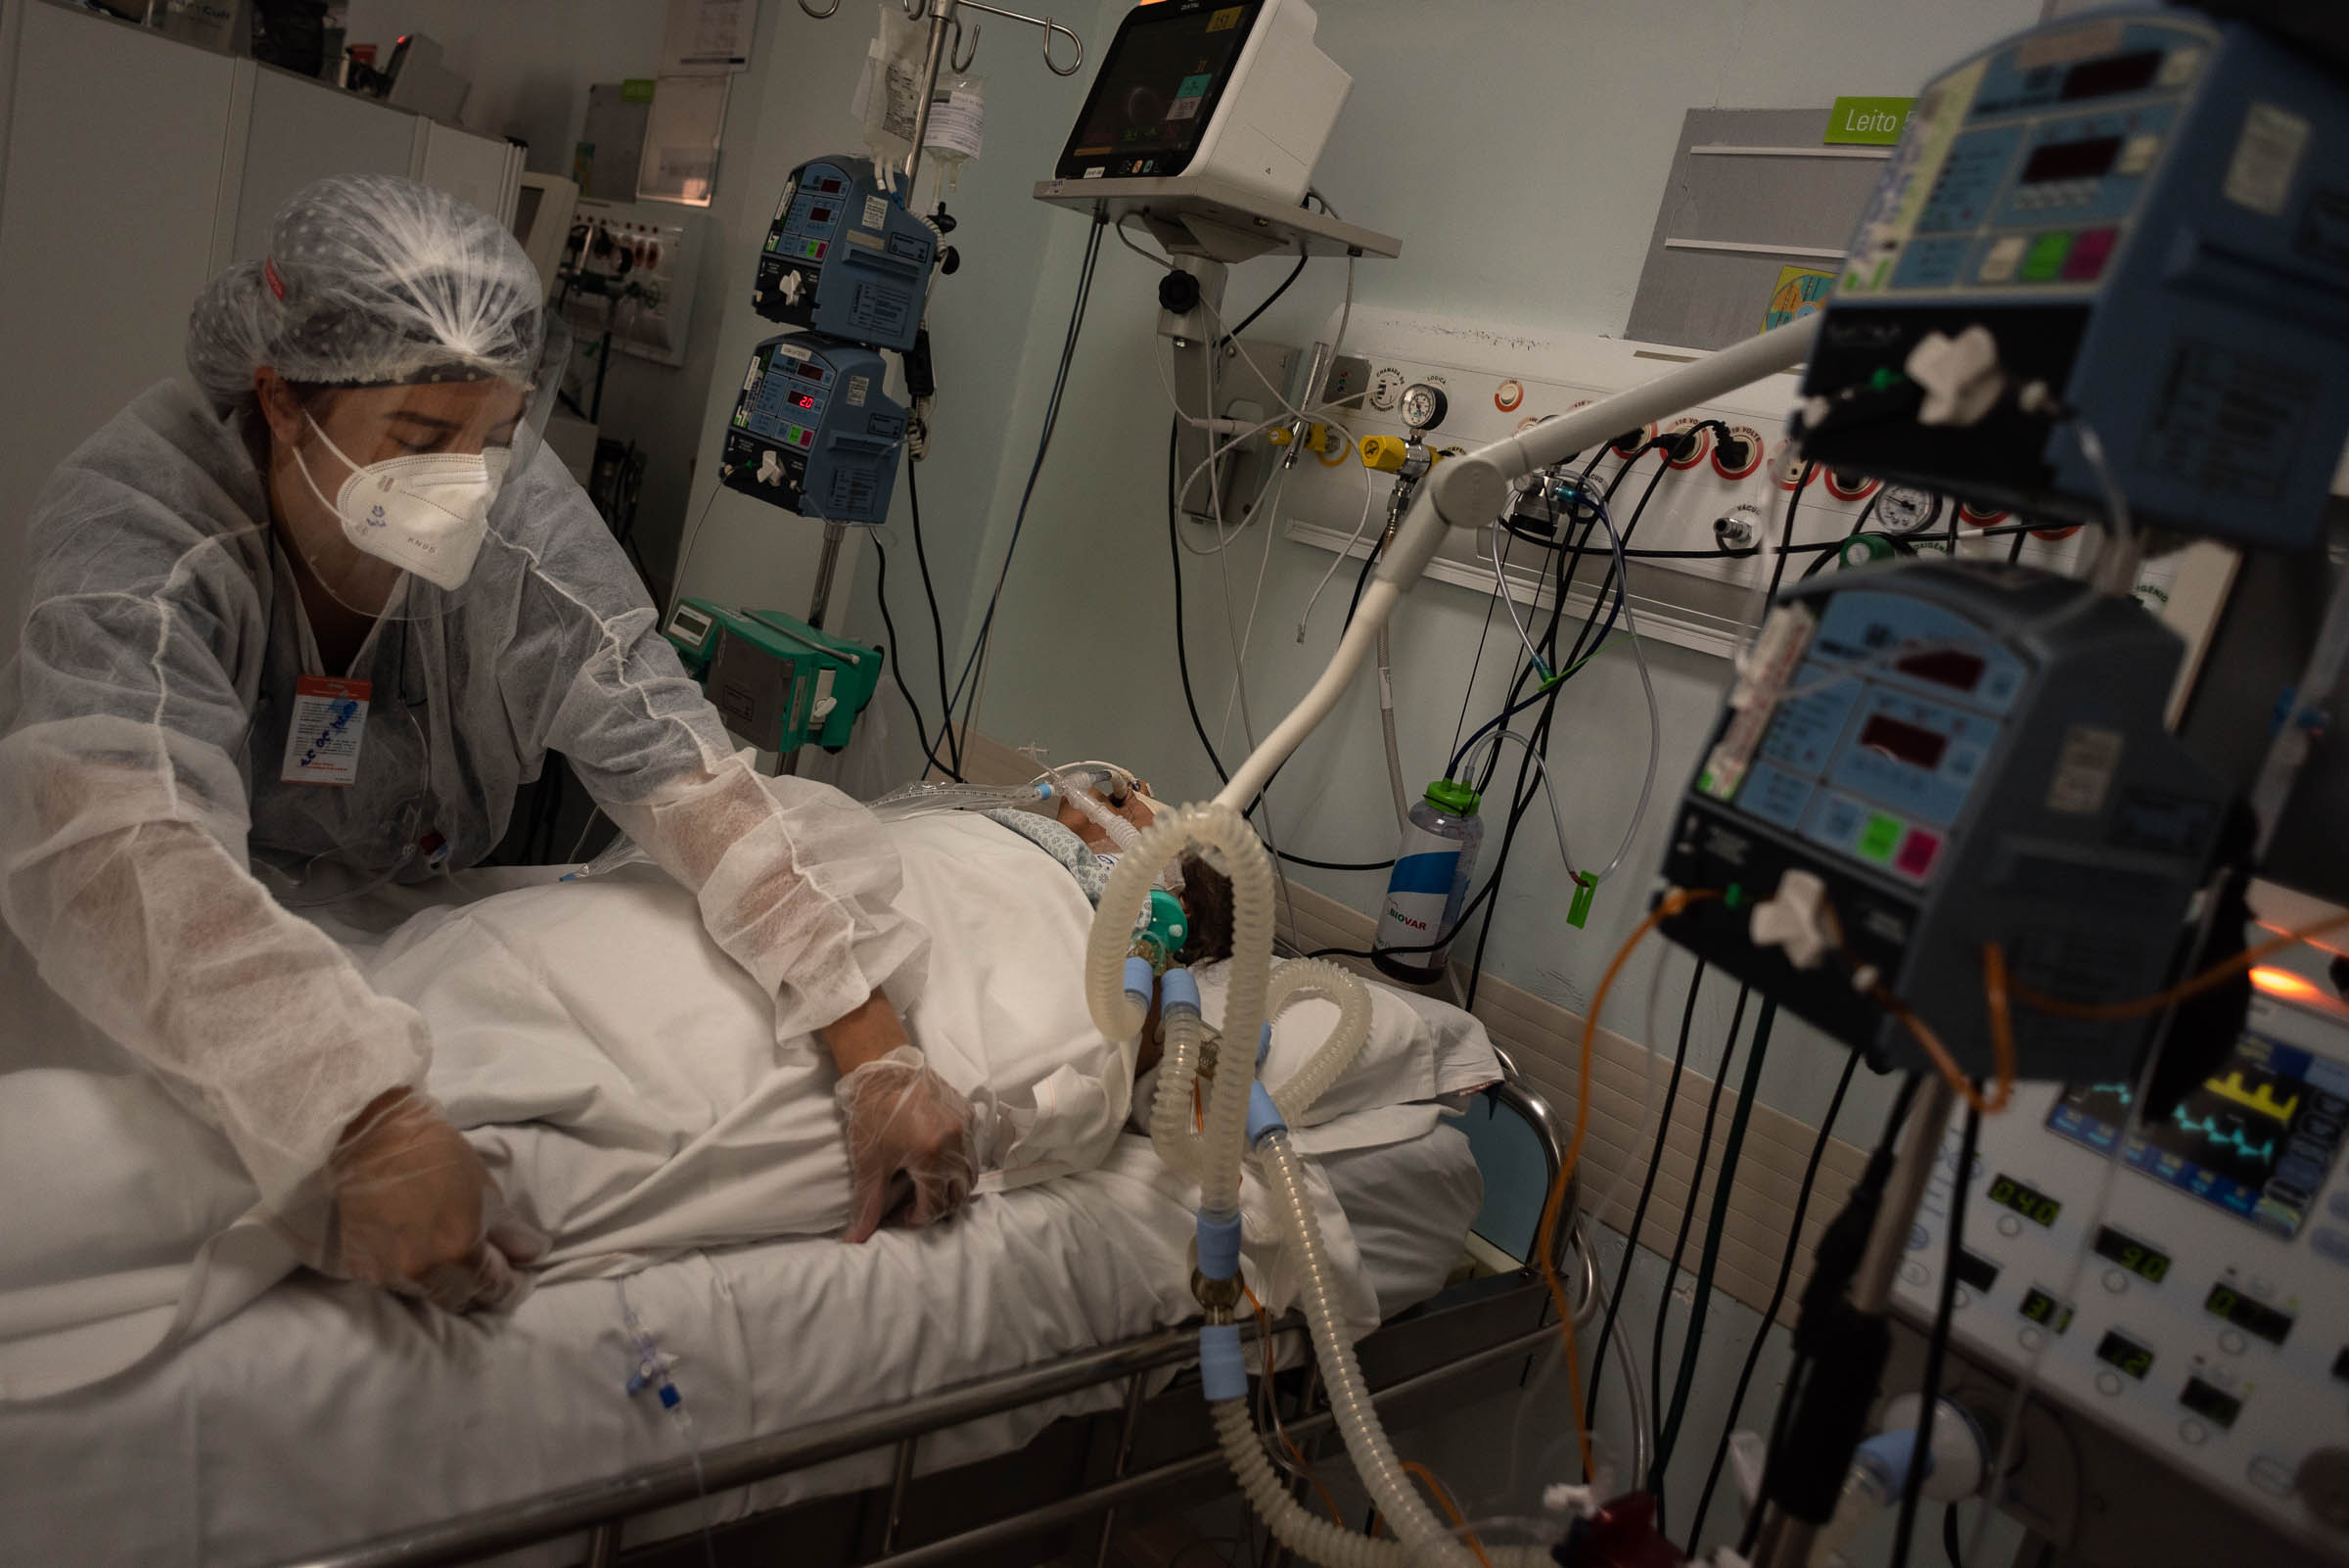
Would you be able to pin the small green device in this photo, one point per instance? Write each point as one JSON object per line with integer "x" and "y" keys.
{"x": 777, "y": 682}
{"x": 1161, "y": 931}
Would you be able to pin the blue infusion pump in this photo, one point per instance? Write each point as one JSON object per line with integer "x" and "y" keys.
{"x": 814, "y": 431}
{"x": 1961, "y": 753}
{"x": 843, "y": 259}
{"x": 2148, "y": 211}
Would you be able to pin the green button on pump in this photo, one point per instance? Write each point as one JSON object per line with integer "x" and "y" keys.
{"x": 1877, "y": 839}
{"x": 2044, "y": 260}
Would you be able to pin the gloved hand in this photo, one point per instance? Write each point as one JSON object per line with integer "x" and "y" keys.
{"x": 907, "y": 1128}
{"x": 415, "y": 1211}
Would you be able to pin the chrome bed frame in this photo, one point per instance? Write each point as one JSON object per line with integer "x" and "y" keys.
{"x": 1062, "y": 1493}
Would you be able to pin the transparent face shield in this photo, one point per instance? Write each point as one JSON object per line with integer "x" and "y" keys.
{"x": 395, "y": 491}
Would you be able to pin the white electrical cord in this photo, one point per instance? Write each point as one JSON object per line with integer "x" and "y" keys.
{"x": 1345, "y": 551}
{"x": 1239, "y": 660}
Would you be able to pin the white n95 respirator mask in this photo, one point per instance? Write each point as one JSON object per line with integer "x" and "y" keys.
{"x": 426, "y": 513}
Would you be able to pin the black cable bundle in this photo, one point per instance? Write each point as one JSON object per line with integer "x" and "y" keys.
{"x": 1839, "y": 1355}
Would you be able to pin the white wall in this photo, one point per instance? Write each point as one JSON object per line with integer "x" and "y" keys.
{"x": 1519, "y": 152}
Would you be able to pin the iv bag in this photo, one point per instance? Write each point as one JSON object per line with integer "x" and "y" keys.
{"x": 889, "y": 94}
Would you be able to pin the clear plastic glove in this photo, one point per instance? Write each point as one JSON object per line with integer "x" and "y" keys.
{"x": 416, "y": 1212}
{"x": 913, "y": 1142}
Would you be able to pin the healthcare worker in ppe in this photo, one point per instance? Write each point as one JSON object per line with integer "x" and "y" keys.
{"x": 305, "y": 627}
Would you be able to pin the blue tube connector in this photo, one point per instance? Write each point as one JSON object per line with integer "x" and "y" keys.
{"x": 1218, "y": 1245}
{"x": 1264, "y": 1042}
{"x": 1263, "y": 1115}
{"x": 1137, "y": 981}
{"x": 1222, "y": 1367}
{"x": 1885, "y": 1459}
{"x": 1178, "y": 992}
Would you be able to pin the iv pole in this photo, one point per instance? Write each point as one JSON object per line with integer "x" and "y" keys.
{"x": 943, "y": 16}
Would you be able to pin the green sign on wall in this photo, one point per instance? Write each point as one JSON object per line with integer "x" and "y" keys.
{"x": 1869, "y": 121}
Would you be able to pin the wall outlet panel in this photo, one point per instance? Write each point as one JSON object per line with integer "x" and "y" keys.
{"x": 1497, "y": 377}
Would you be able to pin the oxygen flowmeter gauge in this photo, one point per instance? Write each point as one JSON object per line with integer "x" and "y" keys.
{"x": 1423, "y": 406}
{"x": 1906, "y": 509}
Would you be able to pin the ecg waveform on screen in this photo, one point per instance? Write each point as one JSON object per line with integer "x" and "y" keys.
{"x": 2231, "y": 1138}
{"x": 2256, "y": 1139}
{"x": 2222, "y": 1133}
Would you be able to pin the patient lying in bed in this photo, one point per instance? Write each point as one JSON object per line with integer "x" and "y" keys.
{"x": 622, "y": 1081}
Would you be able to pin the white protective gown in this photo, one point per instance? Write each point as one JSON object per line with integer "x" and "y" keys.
{"x": 143, "y": 732}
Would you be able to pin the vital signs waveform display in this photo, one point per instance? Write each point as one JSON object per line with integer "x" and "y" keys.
{"x": 2257, "y": 1139}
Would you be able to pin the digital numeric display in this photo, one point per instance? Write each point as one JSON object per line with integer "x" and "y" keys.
{"x": 2119, "y": 1350}
{"x": 1912, "y": 744}
{"x": 2042, "y": 1309}
{"x": 2210, "y": 1401}
{"x": 2251, "y": 1317}
{"x": 1976, "y": 1270}
{"x": 2083, "y": 160}
{"x": 2029, "y": 1202}
{"x": 2147, "y": 1263}
{"x": 1944, "y": 667}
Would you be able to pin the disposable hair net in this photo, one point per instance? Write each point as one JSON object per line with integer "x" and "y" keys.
{"x": 385, "y": 284}
{"x": 371, "y": 280}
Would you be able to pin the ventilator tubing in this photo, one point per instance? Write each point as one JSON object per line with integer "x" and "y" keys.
{"x": 1171, "y": 1132}
{"x": 1316, "y": 977}
{"x": 1118, "y": 1018}
{"x": 1398, "y": 1500}
{"x": 1074, "y": 789}
{"x": 917, "y": 800}
{"x": 1215, "y": 1156}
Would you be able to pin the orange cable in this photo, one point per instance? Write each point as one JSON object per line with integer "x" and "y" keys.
{"x": 1263, "y": 1323}
{"x": 2001, "y": 1046}
{"x": 1451, "y": 1510}
{"x": 2142, "y": 1007}
{"x": 1545, "y": 1234}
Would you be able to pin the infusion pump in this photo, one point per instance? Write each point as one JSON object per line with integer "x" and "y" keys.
{"x": 2211, "y": 1322}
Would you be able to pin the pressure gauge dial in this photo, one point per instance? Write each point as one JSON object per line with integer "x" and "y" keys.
{"x": 1423, "y": 406}
{"x": 1906, "y": 509}
{"x": 1385, "y": 388}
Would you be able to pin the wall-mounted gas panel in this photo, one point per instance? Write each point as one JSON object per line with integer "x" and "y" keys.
{"x": 1500, "y": 379}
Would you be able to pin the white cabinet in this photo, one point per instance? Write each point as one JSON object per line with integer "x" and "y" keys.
{"x": 472, "y": 168}
{"x": 299, "y": 131}
{"x": 132, "y": 168}
{"x": 118, "y": 140}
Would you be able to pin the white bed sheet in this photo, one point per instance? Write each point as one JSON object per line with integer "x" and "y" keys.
{"x": 326, "y": 1412}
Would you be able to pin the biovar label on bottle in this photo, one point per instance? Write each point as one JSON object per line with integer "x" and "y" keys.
{"x": 1417, "y": 893}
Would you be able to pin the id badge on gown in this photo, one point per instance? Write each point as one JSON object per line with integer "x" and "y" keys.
{"x": 322, "y": 744}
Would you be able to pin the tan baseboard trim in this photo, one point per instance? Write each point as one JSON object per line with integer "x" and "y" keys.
{"x": 1544, "y": 1040}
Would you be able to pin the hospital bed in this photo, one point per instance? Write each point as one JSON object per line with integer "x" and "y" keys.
{"x": 999, "y": 1392}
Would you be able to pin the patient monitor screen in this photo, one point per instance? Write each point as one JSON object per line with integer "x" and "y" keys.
{"x": 1159, "y": 87}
